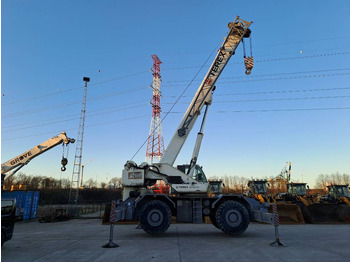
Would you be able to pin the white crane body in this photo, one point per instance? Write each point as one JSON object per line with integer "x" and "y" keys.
{"x": 191, "y": 203}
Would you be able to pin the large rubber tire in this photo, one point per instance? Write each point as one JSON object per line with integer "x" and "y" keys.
{"x": 155, "y": 217}
{"x": 213, "y": 220}
{"x": 232, "y": 218}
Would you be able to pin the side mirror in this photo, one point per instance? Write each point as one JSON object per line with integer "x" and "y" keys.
{"x": 308, "y": 187}
{"x": 223, "y": 185}
{"x": 268, "y": 184}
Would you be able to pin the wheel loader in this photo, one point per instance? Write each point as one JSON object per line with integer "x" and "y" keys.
{"x": 288, "y": 212}
{"x": 336, "y": 204}
{"x": 333, "y": 210}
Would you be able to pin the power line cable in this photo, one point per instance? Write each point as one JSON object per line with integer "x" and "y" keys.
{"x": 278, "y": 92}
{"x": 283, "y": 99}
{"x": 268, "y": 44}
{"x": 275, "y": 110}
{"x": 273, "y": 99}
{"x": 220, "y": 101}
{"x": 305, "y": 41}
{"x": 142, "y": 72}
{"x": 172, "y": 112}
{"x": 104, "y": 111}
{"x": 264, "y": 75}
{"x": 71, "y": 119}
{"x": 284, "y": 110}
{"x": 73, "y": 89}
{"x": 269, "y": 60}
{"x": 70, "y": 129}
{"x": 71, "y": 103}
{"x": 286, "y": 78}
{"x": 273, "y": 79}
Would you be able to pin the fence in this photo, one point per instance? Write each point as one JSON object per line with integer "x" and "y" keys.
{"x": 81, "y": 210}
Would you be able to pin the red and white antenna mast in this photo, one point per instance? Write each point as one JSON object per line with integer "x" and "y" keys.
{"x": 155, "y": 145}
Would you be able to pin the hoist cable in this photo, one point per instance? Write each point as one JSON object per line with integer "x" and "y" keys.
{"x": 244, "y": 54}
{"x": 251, "y": 47}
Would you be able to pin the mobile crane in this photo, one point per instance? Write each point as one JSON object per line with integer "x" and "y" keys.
{"x": 23, "y": 159}
{"x": 191, "y": 203}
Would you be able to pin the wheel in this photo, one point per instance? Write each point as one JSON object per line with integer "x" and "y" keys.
{"x": 232, "y": 218}
{"x": 155, "y": 217}
{"x": 213, "y": 220}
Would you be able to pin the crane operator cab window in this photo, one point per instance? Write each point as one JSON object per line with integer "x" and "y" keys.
{"x": 199, "y": 174}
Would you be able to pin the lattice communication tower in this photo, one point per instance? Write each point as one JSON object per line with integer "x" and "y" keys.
{"x": 74, "y": 190}
{"x": 155, "y": 144}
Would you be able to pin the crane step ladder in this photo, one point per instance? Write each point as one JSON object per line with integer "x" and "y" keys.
{"x": 197, "y": 211}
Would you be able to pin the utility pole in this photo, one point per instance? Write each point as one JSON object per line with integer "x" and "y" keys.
{"x": 74, "y": 190}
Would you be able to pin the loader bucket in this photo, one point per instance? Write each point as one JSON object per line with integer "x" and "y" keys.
{"x": 289, "y": 213}
{"x": 326, "y": 213}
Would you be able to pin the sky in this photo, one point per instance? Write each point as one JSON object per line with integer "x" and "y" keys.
{"x": 293, "y": 107}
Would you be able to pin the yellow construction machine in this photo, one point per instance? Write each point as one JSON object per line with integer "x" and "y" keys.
{"x": 288, "y": 212}
{"x": 258, "y": 190}
{"x": 339, "y": 194}
{"x": 333, "y": 209}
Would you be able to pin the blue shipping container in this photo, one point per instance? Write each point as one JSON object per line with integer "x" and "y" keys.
{"x": 28, "y": 206}
{"x": 26, "y": 203}
{"x": 35, "y": 204}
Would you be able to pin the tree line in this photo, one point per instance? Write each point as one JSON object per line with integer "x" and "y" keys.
{"x": 233, "y": 184}
{"x": 34, "y": 182}
{"x": 238, "y": 185}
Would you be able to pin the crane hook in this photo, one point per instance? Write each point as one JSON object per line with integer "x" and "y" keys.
{"x": 64, "y": 162}
{"x": 249, "y": 63}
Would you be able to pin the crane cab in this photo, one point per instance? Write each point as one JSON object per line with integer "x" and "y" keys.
{"x": 197, "y": 175}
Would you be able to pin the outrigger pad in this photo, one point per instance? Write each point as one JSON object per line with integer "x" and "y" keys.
{"x": 111, "y": 244}
{"x": 277, "y": 243}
